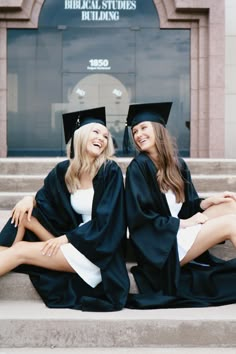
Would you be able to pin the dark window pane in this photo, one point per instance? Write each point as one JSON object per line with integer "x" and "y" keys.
{"x": 86, "y": 57}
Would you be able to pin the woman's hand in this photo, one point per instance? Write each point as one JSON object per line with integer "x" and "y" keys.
{"x": 227, "y": 194}
{"x": 198, "y": 218}
{"x": 25, "y": 205}
{"x": 51, "y": 247}
{"x": 218, "y": 199}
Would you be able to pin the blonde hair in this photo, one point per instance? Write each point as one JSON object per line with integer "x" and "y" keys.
{"x": 81, "y": 162}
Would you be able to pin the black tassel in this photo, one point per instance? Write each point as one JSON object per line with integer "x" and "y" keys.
{"x": 72, "y": 153}
{"x": 126, "y": 141}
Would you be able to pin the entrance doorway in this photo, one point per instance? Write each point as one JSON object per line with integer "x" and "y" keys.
{"x": 75, "y": 61}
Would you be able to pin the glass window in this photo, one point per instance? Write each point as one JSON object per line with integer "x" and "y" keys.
{"x": 86, "y": 54}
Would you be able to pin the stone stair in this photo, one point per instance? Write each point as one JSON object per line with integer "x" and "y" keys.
{"x": 28, "y": 326}
{"x": 22, "y": 176}
{"x": 126, "y": 350}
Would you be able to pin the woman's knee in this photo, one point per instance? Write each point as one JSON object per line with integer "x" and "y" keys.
{"x": 20, "y": 249}
{"x": 229, "y": 224}
{"x": 222, "y": 209}
{"x": 25, "y": 222}
{"x": 230, "y": 206}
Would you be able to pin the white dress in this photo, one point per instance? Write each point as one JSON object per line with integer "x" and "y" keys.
{"x": 81, "y": 202}
{"x": 186, "y": 236}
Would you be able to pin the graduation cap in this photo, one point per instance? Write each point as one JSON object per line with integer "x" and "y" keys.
{"x": 74, "y": 120}
{"x": 152, "y": 112}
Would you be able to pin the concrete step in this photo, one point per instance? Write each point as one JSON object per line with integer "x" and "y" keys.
{"x": 214, "y": 183}
{"x": 32, "y": 324}
{"x": 21, "y": 183}
{"x": 39, "y": 165}
{"x": 17, "y": 287}
{"x": 42, "y": 165}
{"x": 143, "y": 350}
{"x": 27, "y": 165}
{"x": 22, "y": 176}
{"x": 9, "y": 199}
{"x": 210, "y": 166}
{"x": 29, "y": 183}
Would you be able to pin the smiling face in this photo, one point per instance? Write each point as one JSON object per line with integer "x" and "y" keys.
{"x": 97, "y": 140}
{"x": 144, "y": 137}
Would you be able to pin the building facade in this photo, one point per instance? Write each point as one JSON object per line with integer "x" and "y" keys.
{"x": 230, "y": 78}
{"x": 63, "y": 55}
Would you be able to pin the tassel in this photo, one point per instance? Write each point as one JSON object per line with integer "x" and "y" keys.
{"x": 72, "y": 153}
{"x": 126, "y": 141}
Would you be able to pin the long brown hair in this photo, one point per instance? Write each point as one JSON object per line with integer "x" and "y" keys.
{"x": 168, "y": 175}
{"x": 81, "y": 162}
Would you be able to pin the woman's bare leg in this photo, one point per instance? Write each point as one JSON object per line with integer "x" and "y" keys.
{"x": 229, "y": 207}
{"x": 34, "y": 226}
{"x": 20, "y": 233}
{"x": 24, "y": 252}
{"x": 3, "y": 248}
{"x": 212, "y": 232}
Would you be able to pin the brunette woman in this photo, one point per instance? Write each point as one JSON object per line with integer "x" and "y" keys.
{"x": 171, "y": 228}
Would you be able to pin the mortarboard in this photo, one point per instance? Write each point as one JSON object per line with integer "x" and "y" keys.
{"x": 152, "y": 112}
{"x": 74, "y": 120}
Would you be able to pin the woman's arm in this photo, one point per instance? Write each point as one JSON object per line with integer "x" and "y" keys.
{"x": 152, "y": 229}
{"x": 198, "y": 218}
{"x": 217, "y": 199}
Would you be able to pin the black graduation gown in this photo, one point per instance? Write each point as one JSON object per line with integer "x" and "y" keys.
{"x": 101, "y": 240}
{"x": 160, "y": 279}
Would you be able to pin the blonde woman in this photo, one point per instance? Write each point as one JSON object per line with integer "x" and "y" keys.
{"x": 171, "y": 228}
{"x": 77, "y": 224}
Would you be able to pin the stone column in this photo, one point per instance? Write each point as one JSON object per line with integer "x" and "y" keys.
{"x": 217, "y": 79}
{"x": 3, "y": 90}
{"x": 205, "y": 19}
{"x": 13, "y": 14}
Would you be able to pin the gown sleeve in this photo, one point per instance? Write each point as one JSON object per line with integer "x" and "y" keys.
{"x": 99, "y": 238}
{"x": 192, "y": 204}
{"x": 53, "y": 209}
{"x": 152, "y": 229}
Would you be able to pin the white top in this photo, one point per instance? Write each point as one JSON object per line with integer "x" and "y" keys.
{"x": 173, "y": 205}
{"x": 81, "y": 202}
{"x": 185, "y": 236}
